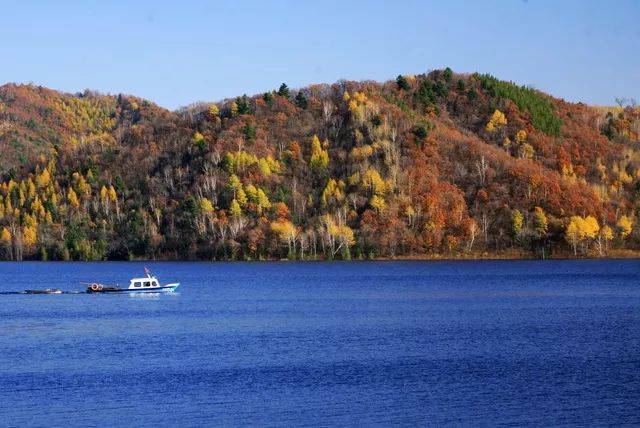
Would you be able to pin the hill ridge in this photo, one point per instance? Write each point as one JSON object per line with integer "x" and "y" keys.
{"x": 439, "y": 164}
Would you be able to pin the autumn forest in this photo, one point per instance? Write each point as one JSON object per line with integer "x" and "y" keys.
{"x": 434, "y": 165}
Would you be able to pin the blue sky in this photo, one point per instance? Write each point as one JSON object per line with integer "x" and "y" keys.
{"x": 176, "y": 53}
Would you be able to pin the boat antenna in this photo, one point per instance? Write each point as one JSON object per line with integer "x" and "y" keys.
{"x": 147, "y": 271}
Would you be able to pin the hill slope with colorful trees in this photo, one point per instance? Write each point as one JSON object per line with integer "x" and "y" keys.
{"x": 435, "y": 165}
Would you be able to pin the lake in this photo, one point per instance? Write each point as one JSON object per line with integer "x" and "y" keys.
{"x": 307, "y": 344}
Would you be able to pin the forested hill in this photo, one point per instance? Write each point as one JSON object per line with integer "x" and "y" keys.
{"x": 440, "y": 164}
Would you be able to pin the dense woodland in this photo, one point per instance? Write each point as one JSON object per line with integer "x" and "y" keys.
{"x": 435, "y": 165}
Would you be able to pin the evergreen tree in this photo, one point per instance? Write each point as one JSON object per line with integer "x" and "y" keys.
{"x": 283, "y": 91}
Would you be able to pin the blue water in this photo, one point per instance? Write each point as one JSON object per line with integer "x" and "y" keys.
{"x": 298, "y": 344}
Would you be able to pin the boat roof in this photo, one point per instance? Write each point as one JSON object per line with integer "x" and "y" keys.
{"x": 144, "y": 278}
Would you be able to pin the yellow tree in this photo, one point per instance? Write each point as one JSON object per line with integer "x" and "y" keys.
{"x": 541, "y": 223}
{"x": 38, "y": 209}
{"x": 591, "y": 230}
{"x": 346, "y": 239}
{"x": 360, "y": 97}
{"x": 5, "y": 239}
{"x": 241, "y": 197}
{"x": 198, "y": 140}
{"x": 31, "y": 189}
{"x": 373, "y": 182}
{"x": 29, "y": 231}
{"x": 497, "y": 120}
{"x": 22, "y": 189}
{"x": 251, "y": 191}
{"x": 113, "y": 197}
{"x": 29, "y": 235}
{"x": 81, "y": 184}
{"x": 377, "y": 203}
{"x": 206, "y": 206}
{"x": 541, "y": 227}
{"x": 72, "y": 197}
{"x": 234, "y": 184}
{"x": 591, "y": 227}
{"x": 624, "y": 226}
{"x": 213, "y": 111}
{"x": 43, "y": 179}
{"x": 339, "y": 236}
{"x": 237, "y": 222}
{"x": 233, "y": 108}
{"x": 287, "y": 233}
{"x": 334, "y": 191}
{"x": 526, "y": 151}
{"x": 604, "y": 237}
{"x": 319, "y": 157}
{"x": 104, "y": 198}
{"x": 8, "y": 208}
{"x": 234, "y": 209}
{"x": 206, "y": 210}
{"x": 262, "y": 201}
{"x": 581, "y": 230}
{"x": 264, "y": 167}
{"x": 573, "y": 233}
{"x": 517, "y": 221}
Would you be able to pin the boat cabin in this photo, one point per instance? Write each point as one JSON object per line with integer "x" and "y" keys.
{"x": 149, "y": 282}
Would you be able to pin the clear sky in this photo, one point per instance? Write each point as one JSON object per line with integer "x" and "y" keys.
{"x": 179, "y": 52}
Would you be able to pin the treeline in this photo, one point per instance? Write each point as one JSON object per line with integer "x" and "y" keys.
{"x": 440, "y": 164}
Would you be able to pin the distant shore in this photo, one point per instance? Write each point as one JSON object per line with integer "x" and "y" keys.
{"x": 514, "y": 255}
{"x": 478, "y": 256}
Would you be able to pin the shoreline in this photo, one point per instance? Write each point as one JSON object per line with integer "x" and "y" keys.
{"x": 613, "y": 255}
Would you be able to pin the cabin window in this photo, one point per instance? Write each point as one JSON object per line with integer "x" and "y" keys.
{"x": 147, "y": 284}
{"x": 137, "y": 284}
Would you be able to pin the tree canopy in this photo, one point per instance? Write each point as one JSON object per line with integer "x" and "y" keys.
{"x": 434, "y": 164}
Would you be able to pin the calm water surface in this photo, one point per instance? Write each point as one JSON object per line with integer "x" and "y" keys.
{"x": 295, "y": 344}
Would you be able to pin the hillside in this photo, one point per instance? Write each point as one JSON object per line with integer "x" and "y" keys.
{"x": 441, "y": 164}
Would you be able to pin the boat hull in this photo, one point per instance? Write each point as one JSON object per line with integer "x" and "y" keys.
{"x": 169, "y": 288}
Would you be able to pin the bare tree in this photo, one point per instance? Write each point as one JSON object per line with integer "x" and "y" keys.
{"x": 482, "y": 166}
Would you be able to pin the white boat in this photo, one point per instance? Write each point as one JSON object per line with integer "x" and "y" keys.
{"x": 148, "y": 284}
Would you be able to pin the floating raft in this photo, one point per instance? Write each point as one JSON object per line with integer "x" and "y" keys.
{"x": 44, "y": 291}
{"x": 101, "y": 288}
